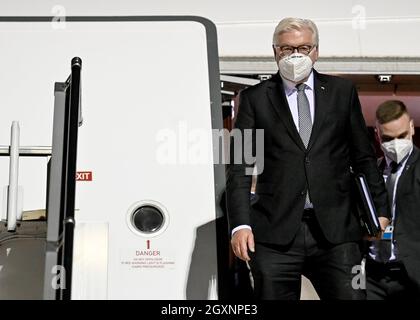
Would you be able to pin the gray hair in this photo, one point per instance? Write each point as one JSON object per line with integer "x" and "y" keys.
{"x": 290, "y": 24}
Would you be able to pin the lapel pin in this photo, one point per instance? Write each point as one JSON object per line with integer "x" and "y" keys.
{"x": 323, "y": 88}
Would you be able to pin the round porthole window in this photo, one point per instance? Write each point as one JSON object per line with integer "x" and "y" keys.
{"x": 147, "y": 218}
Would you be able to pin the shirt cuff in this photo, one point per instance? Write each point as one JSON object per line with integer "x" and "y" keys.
{"x": 243, "y": 226}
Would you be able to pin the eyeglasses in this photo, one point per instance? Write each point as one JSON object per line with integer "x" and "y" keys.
{"x": 287, "y": 50}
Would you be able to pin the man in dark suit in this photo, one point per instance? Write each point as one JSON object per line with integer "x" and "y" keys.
{"x": 314, "y": 132}
{"x": 393, "y": 265}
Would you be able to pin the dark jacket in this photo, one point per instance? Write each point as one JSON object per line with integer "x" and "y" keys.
{"x": 407, "y": 217}
{"x": 339, "y": 141}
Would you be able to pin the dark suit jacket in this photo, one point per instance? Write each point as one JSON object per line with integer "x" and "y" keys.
{"x": 407, "y": 218}
{"x": 339, "y": 141}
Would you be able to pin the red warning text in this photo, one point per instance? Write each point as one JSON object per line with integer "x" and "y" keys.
{"x": 84, "y": 176}
{"x": 147, "y": 253}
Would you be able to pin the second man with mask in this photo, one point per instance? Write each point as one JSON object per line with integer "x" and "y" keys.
{"x": 393, "y": 264}
{"x": 314, "y": 133}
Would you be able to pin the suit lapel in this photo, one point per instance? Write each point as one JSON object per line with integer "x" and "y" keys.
{"x": 321, "y": 97}
{"x": 408, "y": 167}
{"x": 414, "y": 156}
{"x": 280, "y": 105}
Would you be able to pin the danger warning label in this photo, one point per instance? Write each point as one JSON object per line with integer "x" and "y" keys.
{"x": 146, "y": 259}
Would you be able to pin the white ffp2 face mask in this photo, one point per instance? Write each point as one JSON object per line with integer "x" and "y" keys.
{"x": 397, "y": 149}
{"x": 295, "y": 67}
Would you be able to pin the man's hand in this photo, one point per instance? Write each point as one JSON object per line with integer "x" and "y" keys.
{"x": 384, "y": 222}
{"x": 241, "y": 241}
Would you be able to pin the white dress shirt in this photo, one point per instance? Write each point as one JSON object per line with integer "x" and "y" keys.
{"x": 291, "y": 96}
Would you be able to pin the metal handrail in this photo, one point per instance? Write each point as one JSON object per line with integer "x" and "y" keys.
{"x": 12, "y": 199}
{"x": 25, "y": 151}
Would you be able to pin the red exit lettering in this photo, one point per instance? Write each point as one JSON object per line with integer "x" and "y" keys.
{"x": 84, "y": 176}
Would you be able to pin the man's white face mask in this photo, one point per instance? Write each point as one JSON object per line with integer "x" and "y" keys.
{"x": 295, "y": 67}
{"x": 397, "y": 149}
